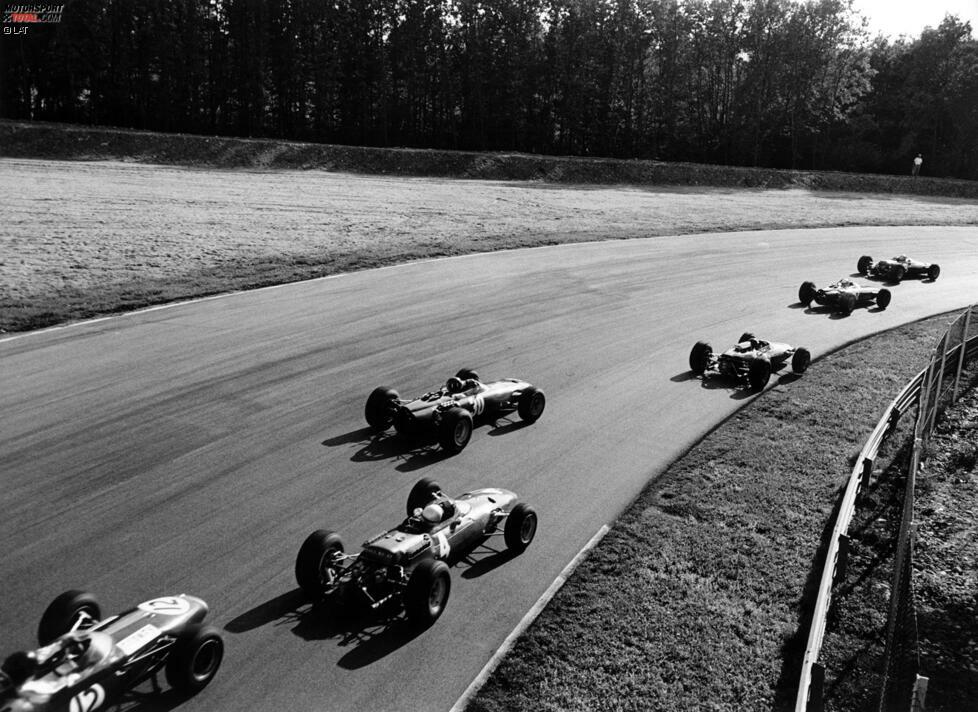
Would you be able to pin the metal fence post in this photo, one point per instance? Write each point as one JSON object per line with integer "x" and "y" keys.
{"x": 964, "y": 340}
{"x": 939, "y": 362}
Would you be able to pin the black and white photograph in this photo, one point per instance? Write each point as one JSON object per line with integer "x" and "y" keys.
{"x": 489, "y": 355}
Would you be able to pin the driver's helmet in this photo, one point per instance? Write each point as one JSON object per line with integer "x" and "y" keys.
{"x": 19, "y": 667}
{"x": 901, "y": 258}
{"x": 454, "y": 385}
{"x": 78, "y": 649}
{"x": 433, "y": 513}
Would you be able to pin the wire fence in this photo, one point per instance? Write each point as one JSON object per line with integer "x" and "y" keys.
{"x": 952, "y": 367}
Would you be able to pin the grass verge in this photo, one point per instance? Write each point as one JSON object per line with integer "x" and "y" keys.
{"x": 699, "y": 596}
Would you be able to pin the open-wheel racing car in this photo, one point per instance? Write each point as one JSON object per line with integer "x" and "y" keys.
{"x": 85, "y": 663}
{"x": 407, "y": 564}
{"x": 843, "y": 296}
{"x": 750, "y": 361}
{"x": 449, "y": 412}
{"x": 898, "y": 268}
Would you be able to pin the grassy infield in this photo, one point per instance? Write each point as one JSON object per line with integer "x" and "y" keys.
{"x": 697, "y": 598}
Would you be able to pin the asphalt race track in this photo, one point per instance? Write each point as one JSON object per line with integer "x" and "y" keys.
{"x": 192, "y": 448}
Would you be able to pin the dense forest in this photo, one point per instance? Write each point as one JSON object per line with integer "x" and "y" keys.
{"x": 774, "y": 83}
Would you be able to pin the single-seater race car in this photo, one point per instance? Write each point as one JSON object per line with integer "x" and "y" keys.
{"x": 898, "y": 268}
{"x": 449, "y": 412}
{"x": 407, "y": 564}
{"x": 85, "y": 662}
{"x": 844, "y": 296}
{"x": 750, "y": 361}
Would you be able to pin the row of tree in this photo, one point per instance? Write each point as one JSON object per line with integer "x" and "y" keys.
{"x": 782, "y": 83}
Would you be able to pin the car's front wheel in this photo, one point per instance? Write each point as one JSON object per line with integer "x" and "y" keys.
{"x": 194, "y": 659}
{"x": 72, "y": 610}
{"x": 521, "y": 527}
{"x": 806, "y": 293}
{"x": 427, "y": 592}
{"x": 531, "y": 404}
{"x": 316, "y": 563}
{"x": 933, "y": 272}
{"x": 380, "y": 408}
{"x": 699, "y": 357}
{"x": 800, "y": 360}
{"x": 883, "y": 298}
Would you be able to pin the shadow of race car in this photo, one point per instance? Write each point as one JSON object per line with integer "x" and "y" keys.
{"x": 407, "y": 564}
{"x": 898, "y": 268}
{"x": 448, "y": 414}
{"x": 85, "y": 663}
{"x": 843, "y": 296}
{"x": 751, "y": 361}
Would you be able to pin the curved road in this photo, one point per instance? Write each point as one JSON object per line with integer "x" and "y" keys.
{"x": 192, "y": 448}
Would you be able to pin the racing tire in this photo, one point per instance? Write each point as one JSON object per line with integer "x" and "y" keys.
{"x": 864, "y": 264}
{"x": 759, "y": 373}
{"x": 194, "y": 659}
{"x": 379, "y": 411}
{"x": 314, "y": 571}
{"x": 883, "y": 298}
{"x": 69, "y": 611}
{"x": 897, "y": 274}
{"x": 521, "y": 527}
{"x": 933, "y": 272}
{"x": 427, "y": 591}
{"x": 746, "y": 336}
{"x": 467, "y": 373}
{"x": 422, "y": 493}
{"x": 847, "y": 302}
{"x": 699, "y": 357}
{"x": 806, "y": 293}
{"x": 455, "y": 430}
{"x": 800, "y": 360}
{"x": 531, "y": 404}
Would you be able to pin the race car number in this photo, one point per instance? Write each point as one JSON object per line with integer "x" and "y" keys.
{"x": 478, "y": 404}
{"x": 87, "y": 700}
{"x": 168, "y": 606}
{"x": 444, "y": 548}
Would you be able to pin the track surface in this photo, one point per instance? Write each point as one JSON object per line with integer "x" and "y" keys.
{"x": 192, "y": 448}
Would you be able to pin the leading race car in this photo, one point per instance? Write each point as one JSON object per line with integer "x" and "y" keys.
{"x": 843, "y": 296}
{"x": 407, "y": 564}
{"x": 898, "y": 268}
{"x": 85, "y": 663}
{"x": 449, "y": 412}
{"x": 751, "y": 361}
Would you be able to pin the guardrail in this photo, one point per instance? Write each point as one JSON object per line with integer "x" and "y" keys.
{"x": 811, "y": 683}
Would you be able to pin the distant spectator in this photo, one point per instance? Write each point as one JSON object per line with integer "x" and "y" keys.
{"x": 917, "y": 163}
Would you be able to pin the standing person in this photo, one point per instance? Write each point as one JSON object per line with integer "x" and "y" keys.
{"x": 917, "y": 163}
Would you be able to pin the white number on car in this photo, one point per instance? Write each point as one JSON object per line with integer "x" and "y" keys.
{"x": 87, "y": 700}
{"x": 168, "y": 606}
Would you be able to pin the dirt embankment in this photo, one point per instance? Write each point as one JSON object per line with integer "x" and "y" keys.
{"x": 59, "y": 141}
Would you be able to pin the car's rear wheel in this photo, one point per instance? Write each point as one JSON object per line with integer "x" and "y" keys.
{"x": 847, "y": 302}
{"x": 800, "y": 360}
{"x": 699, "y": 357}
{"x": 422, "y": 493}
{"x": 521, "y": 527}
{"x": 455, "y": 430}
{"x": 864, "y": 264}
{"x": 806, "y": 293}
{"x": 316, "y": 569}
{"x": 467, "y": 373}
{"x": 194, "y": 659}
{"x": 531, "y": 404}
{"x": 933, "y": 272}
{"x": 759, "y": 373}
{"x": 72, "y": 610}
{"x": 381, "y": 407}
{"x": 427, "y": 592}
{"x": 883, "y": 298}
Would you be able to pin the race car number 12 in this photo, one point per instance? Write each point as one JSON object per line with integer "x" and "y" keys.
{"x": 87, "y": 700}
{"x": 170, "y": 606}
